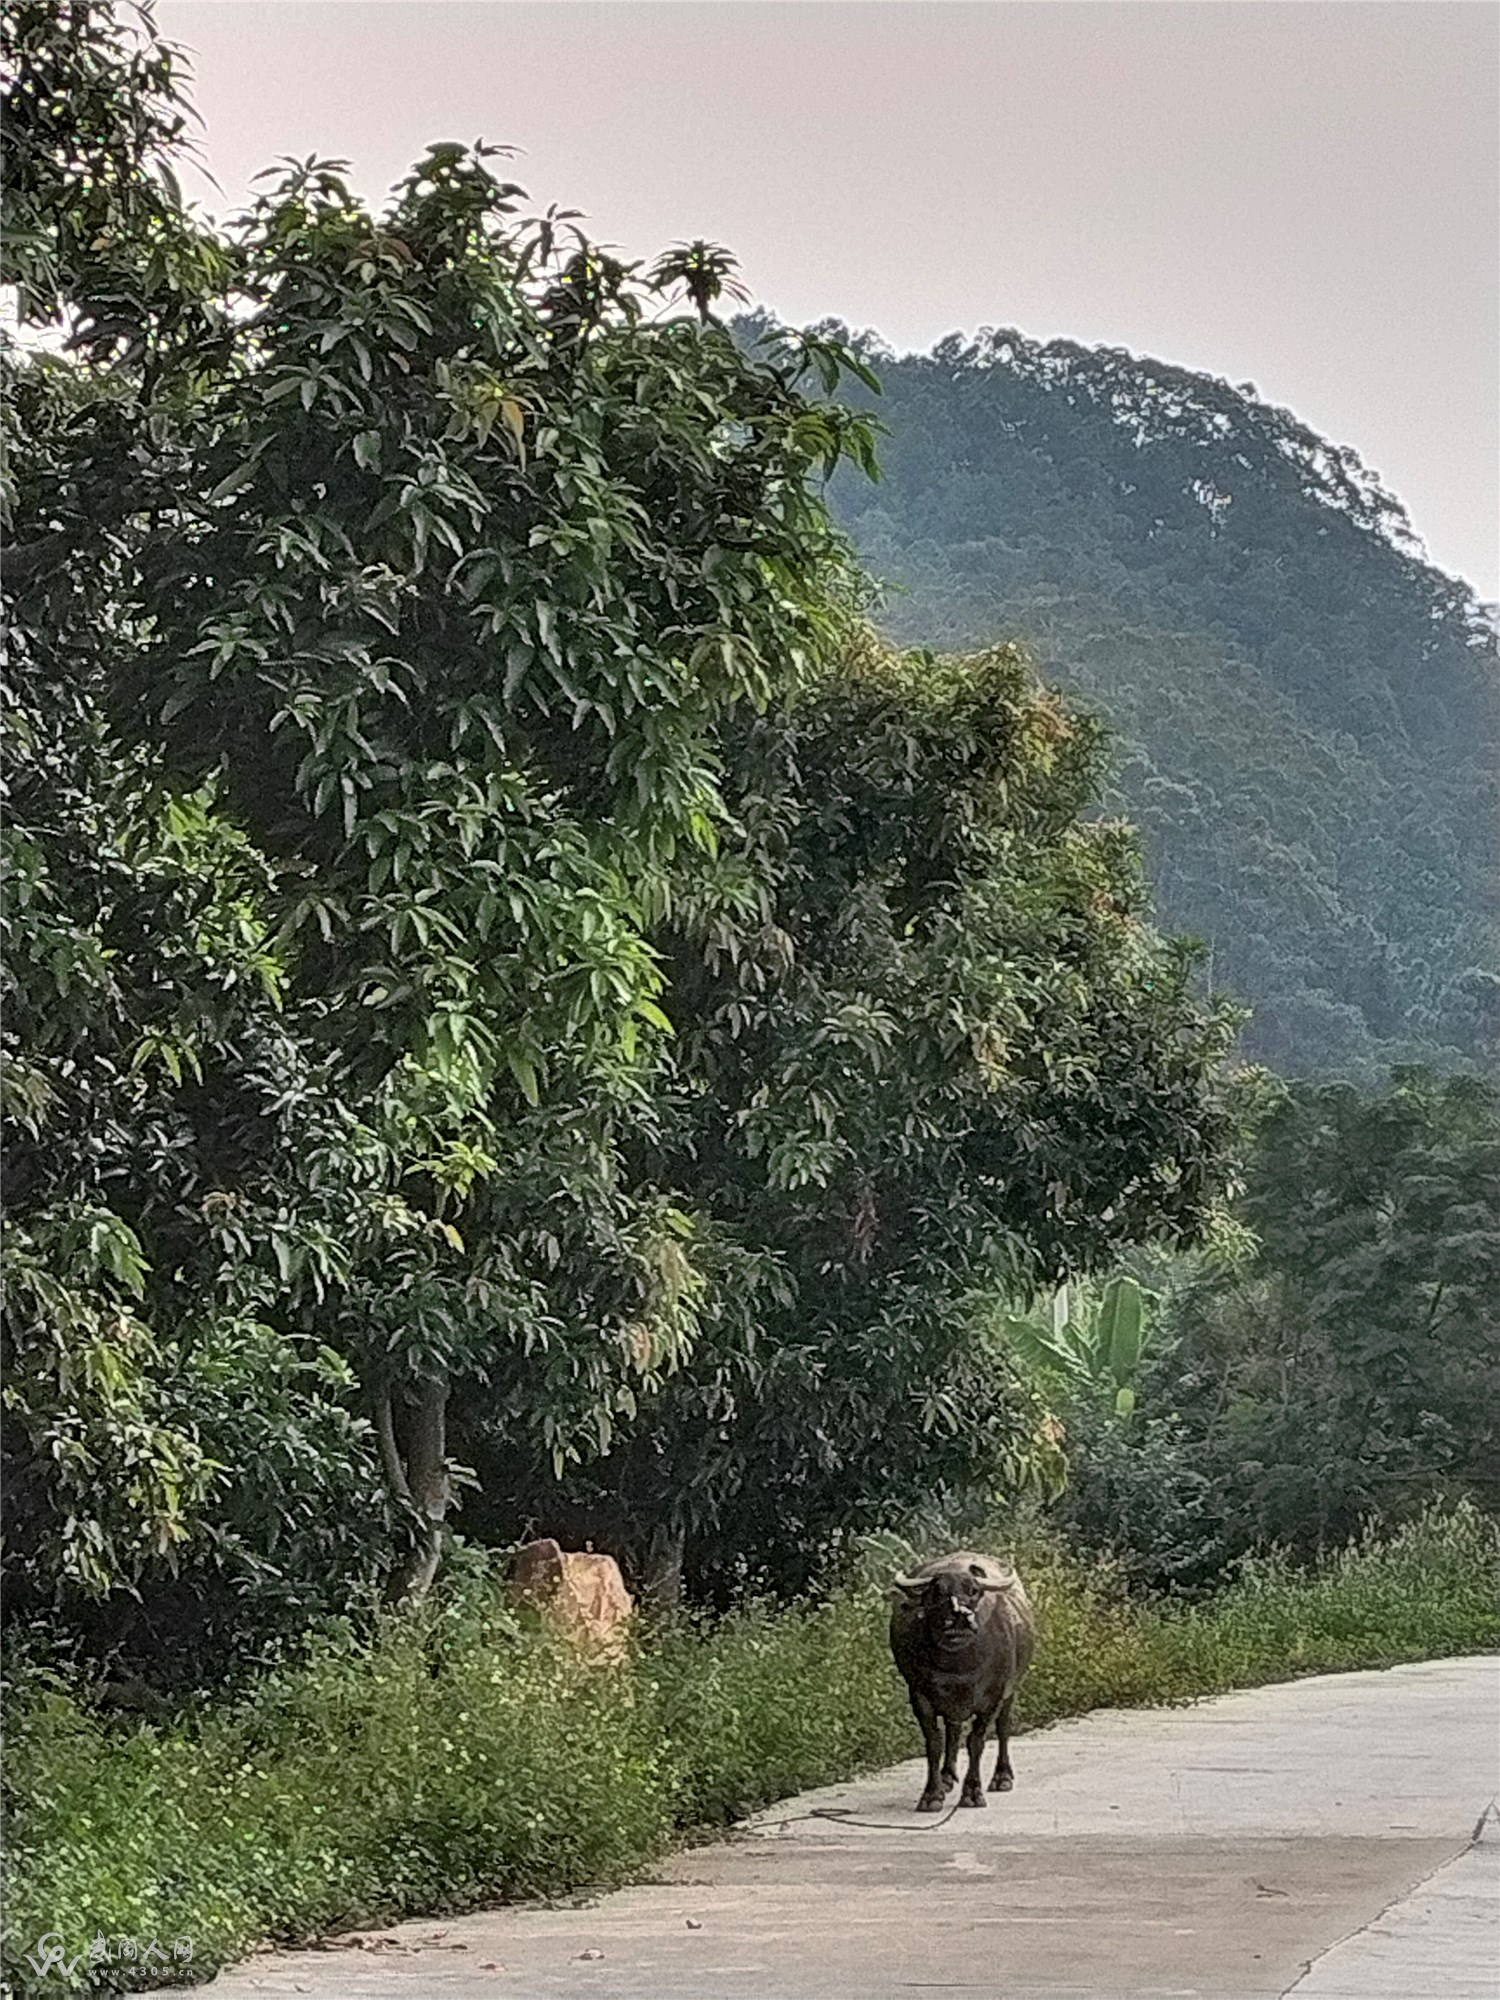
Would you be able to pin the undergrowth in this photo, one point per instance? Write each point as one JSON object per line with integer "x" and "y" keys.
{"x": 462, "y": 1759}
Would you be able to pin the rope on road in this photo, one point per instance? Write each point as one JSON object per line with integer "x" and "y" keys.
{"x": 841, "y": 1816}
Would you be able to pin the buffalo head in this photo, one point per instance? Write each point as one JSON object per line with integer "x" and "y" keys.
{"x": 949, "y": 1597}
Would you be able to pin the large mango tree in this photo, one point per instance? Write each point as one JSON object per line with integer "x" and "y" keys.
{"x": 383, "y": 578}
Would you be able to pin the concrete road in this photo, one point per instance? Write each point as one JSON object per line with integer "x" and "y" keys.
{"x": 1332, "y": 1839}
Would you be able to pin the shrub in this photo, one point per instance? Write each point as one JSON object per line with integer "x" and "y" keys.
{"x": 1138, "y": 1493}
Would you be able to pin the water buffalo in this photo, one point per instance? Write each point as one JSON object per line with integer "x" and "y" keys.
{"x": 962, "y": 1635}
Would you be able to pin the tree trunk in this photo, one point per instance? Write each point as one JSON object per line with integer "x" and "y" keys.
{"x": 413, "y": 1455}
{"x": 661, "y": 1585}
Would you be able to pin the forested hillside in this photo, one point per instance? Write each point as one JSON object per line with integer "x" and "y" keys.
{"x": 1306, "y": 713}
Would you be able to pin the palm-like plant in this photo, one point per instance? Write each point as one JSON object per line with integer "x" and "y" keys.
{"x": 1085, "y": 1337}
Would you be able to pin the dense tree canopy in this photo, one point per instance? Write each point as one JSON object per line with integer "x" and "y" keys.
{"x": 495, "y": 951}
{"x": 1353, "y": 1366}
{"x": 380, "y": 586}
{"x": 1348, "y": 1370}
{"x": 952, "y": 1063}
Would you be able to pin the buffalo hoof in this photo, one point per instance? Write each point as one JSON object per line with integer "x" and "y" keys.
{"x": 930, "y": 1802}
{"x": 972, "y": 1798}
{"x": 1002, "y": 1782}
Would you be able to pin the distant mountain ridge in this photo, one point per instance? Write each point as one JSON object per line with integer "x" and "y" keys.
{"x": 1307, "y": 713}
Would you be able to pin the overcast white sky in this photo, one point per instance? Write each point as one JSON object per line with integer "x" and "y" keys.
{"x": 1302, "y": 193}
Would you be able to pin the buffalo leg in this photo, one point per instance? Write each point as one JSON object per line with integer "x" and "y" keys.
{"x": 952, "y": 1737}
{"x": 932, "y": 1735}
{"x": 973, "y": 1791}
{"x": 1004, "y": 1778}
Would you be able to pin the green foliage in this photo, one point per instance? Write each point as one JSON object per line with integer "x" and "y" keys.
{"x": 355, "y": 1786}
{"x": 1305, "y": 713}
{"x": 145, "y": 1057}
{"x": 1426, "y": 1590}
{"x": 92, "y": 231}
{"x": 772, "y": 1699}
{"x": 495, "y": 945}
{"x": 469, "y": 702}
{"x": 1349, "y": 1370}
{"x": 939, "y": 1058}
{"x": 457, "y": 1760}
{"x": 1086, "y": 1338}
{"x": 489, "y": 935}
{"x": 1353, "y": 1368}
{"x": 377, "y": 589}
{"x": 1147, "y": 1496}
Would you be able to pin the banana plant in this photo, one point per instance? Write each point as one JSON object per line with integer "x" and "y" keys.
{"x": 1084, "y": 1339}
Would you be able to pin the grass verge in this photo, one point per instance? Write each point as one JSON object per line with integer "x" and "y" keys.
{"x": 459, "y": 1761}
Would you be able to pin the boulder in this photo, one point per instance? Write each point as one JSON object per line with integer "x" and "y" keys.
{"x": 580, "y": 1593}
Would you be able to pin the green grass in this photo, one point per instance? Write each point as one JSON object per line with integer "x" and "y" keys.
{"x": 460, "y": 1760}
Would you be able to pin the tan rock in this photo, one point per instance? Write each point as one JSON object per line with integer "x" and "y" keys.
{"x": 582, "y": 1594}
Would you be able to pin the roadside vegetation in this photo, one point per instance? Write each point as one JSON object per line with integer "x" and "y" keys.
{"x": 460, "y": 1758}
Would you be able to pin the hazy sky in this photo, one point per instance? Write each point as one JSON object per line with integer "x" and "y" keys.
{"x": 1303, "y": 194}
